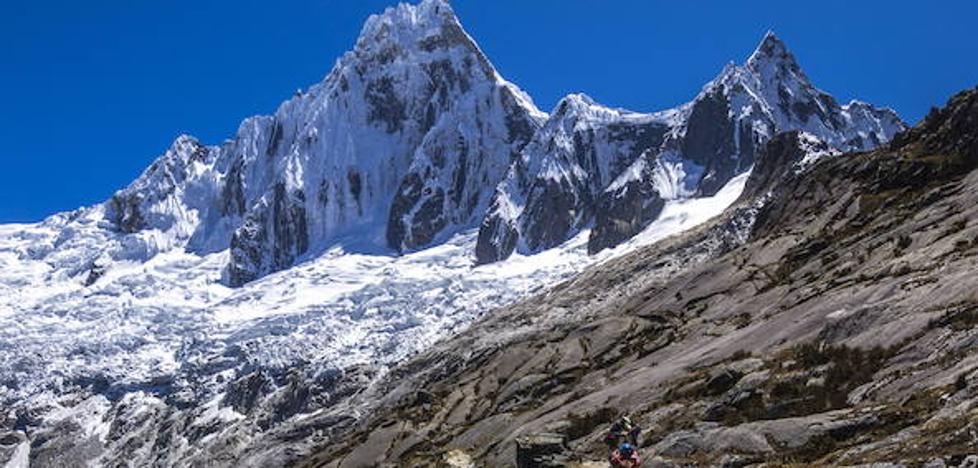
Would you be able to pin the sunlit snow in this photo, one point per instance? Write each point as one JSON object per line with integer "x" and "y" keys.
{"x": 143, "y": 322}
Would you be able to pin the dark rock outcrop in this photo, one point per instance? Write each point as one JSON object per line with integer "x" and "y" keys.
{"x": 124, "y": 209}
{"x": 948, "y": 131}
{"x": 624, "y": 211}
{"x": 778, "y": 161}
{"x": 272, "y": 237}
{"x": 709, "y": 140}
{"x": 541, "y": 451}
{"x": 497, "y": 239}
{"x": 245, "y": 393}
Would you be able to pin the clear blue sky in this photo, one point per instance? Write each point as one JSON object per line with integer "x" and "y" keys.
{"x": 93, "y": 91}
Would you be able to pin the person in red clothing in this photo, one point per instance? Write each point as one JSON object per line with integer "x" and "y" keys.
{"x": 625, "y": 457}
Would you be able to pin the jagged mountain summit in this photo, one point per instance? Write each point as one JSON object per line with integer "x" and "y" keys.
{"x": 397, "y": 145}
{"x": 611, "y": 170}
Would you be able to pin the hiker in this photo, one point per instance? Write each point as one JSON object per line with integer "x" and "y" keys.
{"x": 625, "y": 457}
{"x": 622, "y": 431}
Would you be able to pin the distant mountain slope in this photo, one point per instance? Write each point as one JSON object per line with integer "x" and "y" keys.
{"x": 827, "y": 319}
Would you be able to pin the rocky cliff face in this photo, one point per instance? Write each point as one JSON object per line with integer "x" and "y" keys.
{"x": 577, "y": 171}
{"x": 624, "y": 209}
{"x": 551, "y": 190}
{"x": 828, "y": 319}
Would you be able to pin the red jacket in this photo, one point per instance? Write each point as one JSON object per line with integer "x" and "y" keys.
{"x": 620, "y": 461}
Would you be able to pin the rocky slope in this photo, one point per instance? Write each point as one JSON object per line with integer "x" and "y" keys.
{"x": 828, "y": 318}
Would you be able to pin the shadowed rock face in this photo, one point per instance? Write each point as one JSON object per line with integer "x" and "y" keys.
{"x": 624, "y": 212}
{"x": 561, "y": 207}
{"x": 828, "y": 318}
{"x": 233, "y": 195}
{"x": 282, "y": 226}
{"x": 497, "y": 240}
{"x": 449, "y": 185}
{"x": 710, "y": 141}
{"x": 779, "y": 160}
{"x": 557, "y": 208}
{"x": 551, "y": 189}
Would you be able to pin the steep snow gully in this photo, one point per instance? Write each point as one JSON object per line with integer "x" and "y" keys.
{"x": 410, "y": 192}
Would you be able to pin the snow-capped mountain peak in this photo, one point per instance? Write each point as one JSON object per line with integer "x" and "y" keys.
{"x": 771, "y": 51}
{"x": 407, "y": 22}
{"x": 394, "y": 148}
{"x": 409, "y": 31}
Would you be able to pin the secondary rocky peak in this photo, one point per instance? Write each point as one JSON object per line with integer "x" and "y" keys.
{"x": 579, "y": 109}
{"x": 570, "y": 174}
{"x": 951, "y": 130}
{"x": 573, "y": 102}
{"x": 575, "y": 107}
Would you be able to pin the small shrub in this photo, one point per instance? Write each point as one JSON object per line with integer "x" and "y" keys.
{"x": 846, "y": 369}
{"x": 742, "y": 320}
{"x": 959, "y": 225}
{"x": 961, "y": 382}
{"x": 902, "y": 244}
